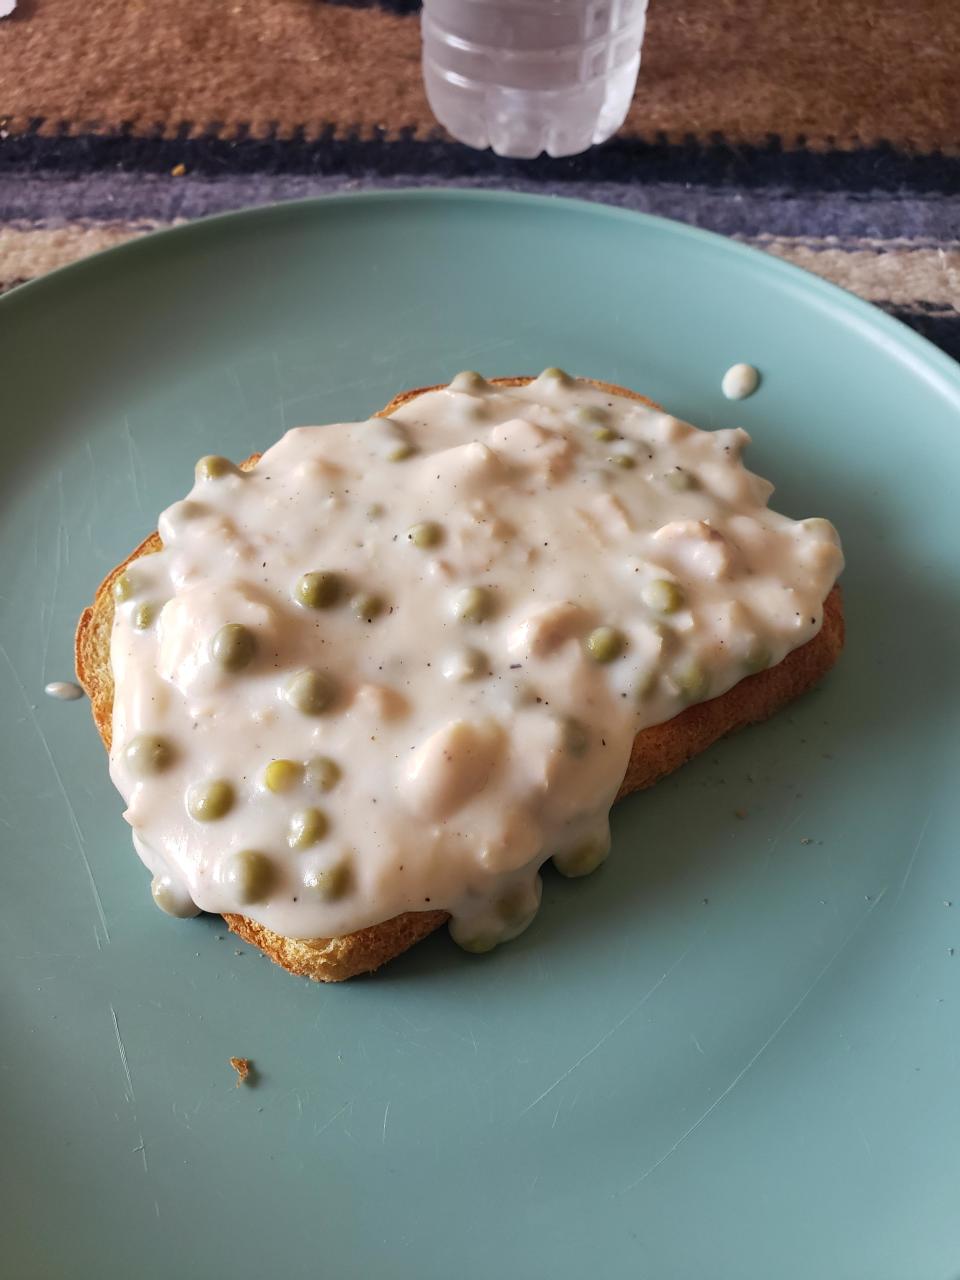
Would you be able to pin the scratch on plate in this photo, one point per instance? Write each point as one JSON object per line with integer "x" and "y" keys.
{"x": 239, "y": 385}
{"x": 49, "y": 610}
{"x": 183, "y": 1117}
{"x": 36, "y": 541}
{"x": 386, "y": 1112}
{"x": 280, "y": 401}
{"x": 763, "y": 1048}
{"x": 132, "y": 459}
{"x": 484, "y": 348}
{"x": 131, "y": 1096}
{"x": 607, "y": 1034}
{"x": 66, "y": 535}
{"x": 347, "y": 1106}
{"x": 129, "y": 1091}
{"x": 781, "y": 833}
{"x": 357, "y": 384}
{"x": 696, "y": 1043}
{"x": 35, "y": 956}
{"x": 913, "y": 856}
{"x": 78, "y": 834}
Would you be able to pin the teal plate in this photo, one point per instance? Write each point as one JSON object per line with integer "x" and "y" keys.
{"x": 732, "y": 1053}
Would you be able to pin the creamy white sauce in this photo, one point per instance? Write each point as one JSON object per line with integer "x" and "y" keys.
{"x": 740, "y": 381}
{"x": 472, "y": 731}
{"x": 63, "y": 690}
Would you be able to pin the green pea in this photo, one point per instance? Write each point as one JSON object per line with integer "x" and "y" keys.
{"x": 516, "y": 906}
{"x": 368, "y": 606}
{"x": 148, "y": 754}
{"x": 476, "y": 943}
{"x": 213, "y": 467}
{"x": 820, "y": 528}
{"x": 473, "y": 604}
{"x": 758, "y": 657}
{"x": 122, "y": 588}
{"x": 582, "y": 858}
{"x": 626, "y": 461}
{"x": 400, "y": 451}
{"x": 174, "y": 901}
{"x": 330, "y": 883}
{"x": 467, "y": 664}
{"x": 604, "y": 433}
{"x": 524, "y": 695}
{"x": 282, "y": 775}
{"x": 693, "y": 681}
{"x": 470, "y": 381}
{"x": 475, "y": 410}
{"x": 143, "y": 616}
{"x": 553, "y": 374}
{"x": 576, "y": 739}
{"x": 425, "y": 535}
{"x": 680, "y": 481}
{"x": 663, "y": 595}
{"x": 210, "y": 801}
{"x": 319, "y": 590}
{"x": 233, "y": 647}
{"x": 312, "y": 692}
{"x": 186, "y": 510}
{"x": 605, "y": 644}
{"x": 645, "y": 686}
{"x": 590, "y": 415}
{"x": 307, "y": 827}
{"x": 250, "y": 874}
{"x": 323, "y": 773}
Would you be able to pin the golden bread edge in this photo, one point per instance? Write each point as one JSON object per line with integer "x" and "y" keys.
{"x": 656, "y": 752}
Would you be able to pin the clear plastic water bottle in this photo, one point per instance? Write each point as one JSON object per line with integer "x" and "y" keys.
{"x": 525, "y": 76}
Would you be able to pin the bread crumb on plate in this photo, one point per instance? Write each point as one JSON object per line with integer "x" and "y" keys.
{"x": 244, "y": 1069}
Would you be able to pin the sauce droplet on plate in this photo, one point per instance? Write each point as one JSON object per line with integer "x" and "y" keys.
{"x": 740, "y": 381}
{"x": 63, "y": 690}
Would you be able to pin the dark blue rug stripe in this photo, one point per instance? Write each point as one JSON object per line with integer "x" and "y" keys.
{"x": 943, "y": 330}
{"x": 879, "y": 168}
{"x": 44, "y": 198}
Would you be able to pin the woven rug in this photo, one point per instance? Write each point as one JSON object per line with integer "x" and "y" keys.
{"x": 823, "y": 131}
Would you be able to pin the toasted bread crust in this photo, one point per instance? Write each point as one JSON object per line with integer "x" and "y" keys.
{"x": 656, "y": 752}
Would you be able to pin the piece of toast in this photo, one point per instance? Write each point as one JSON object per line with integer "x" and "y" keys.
{"x": 656, "y": 751}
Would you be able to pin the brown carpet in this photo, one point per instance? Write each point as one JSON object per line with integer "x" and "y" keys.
{"x": 815, "y": 73}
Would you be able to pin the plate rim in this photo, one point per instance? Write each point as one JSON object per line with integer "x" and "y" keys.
{"x": 928, "y": 360}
